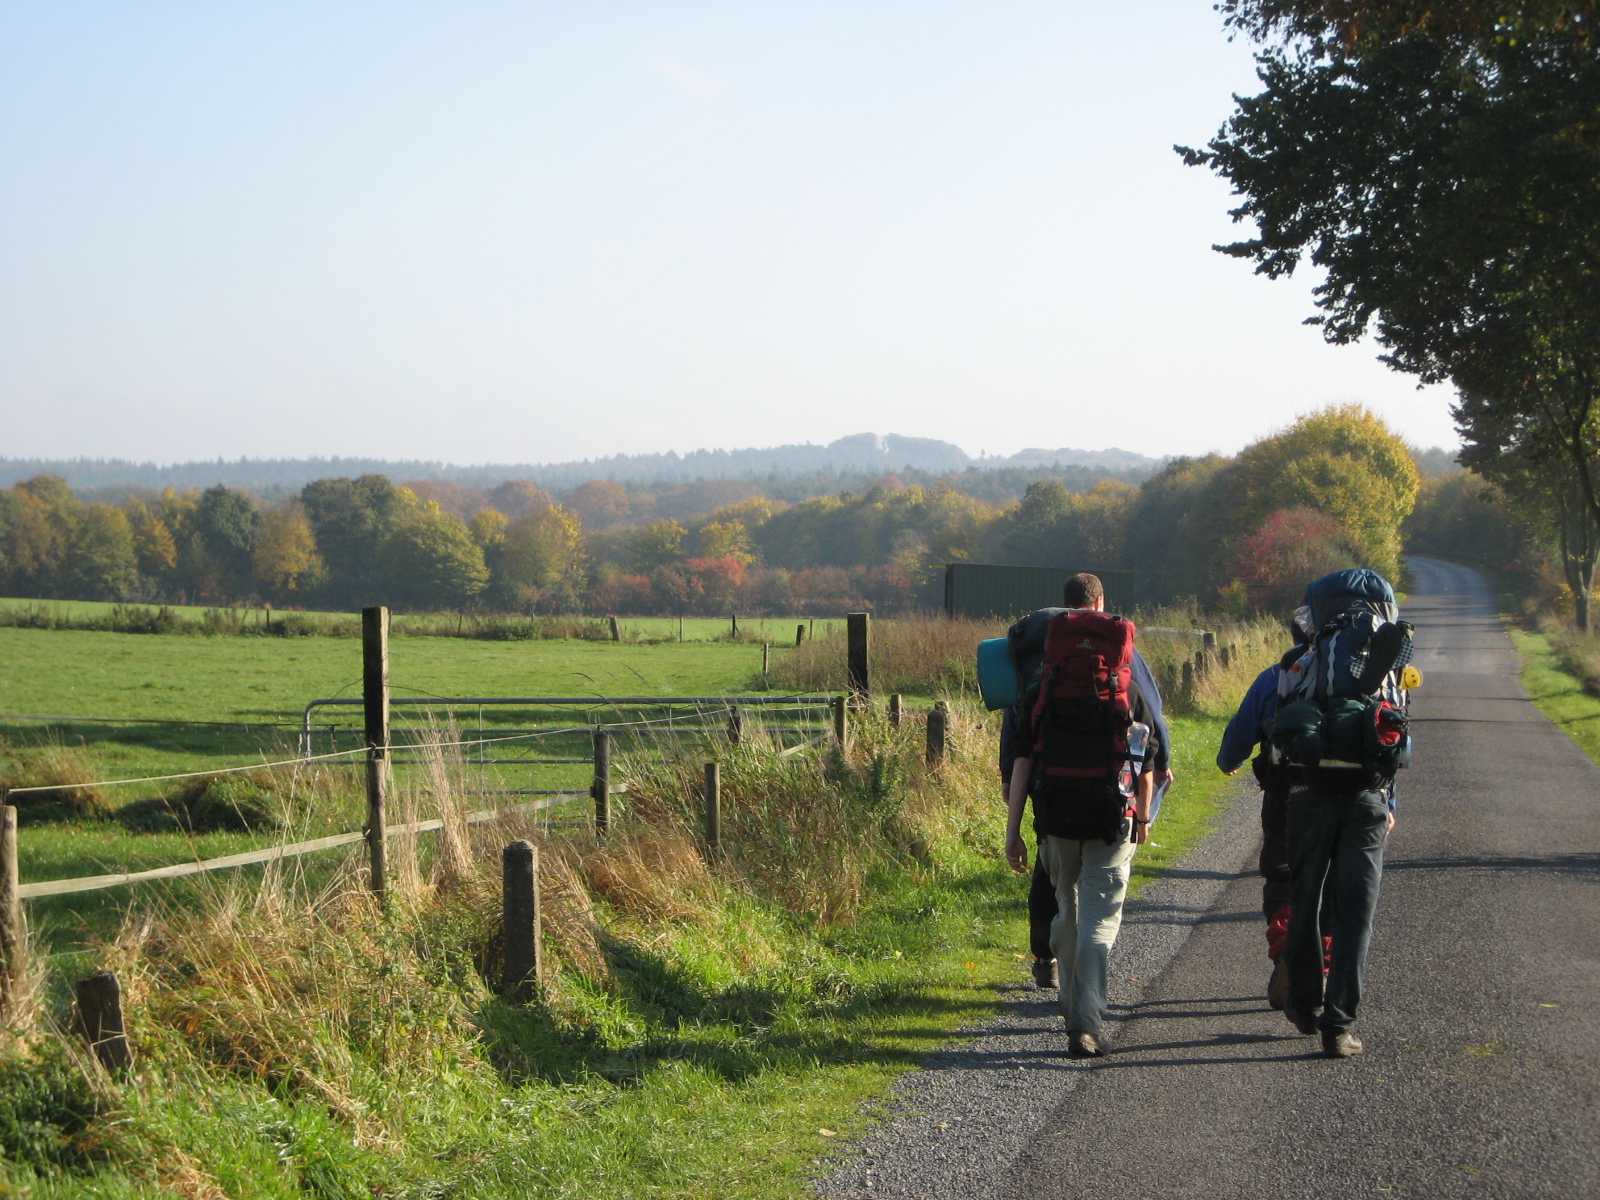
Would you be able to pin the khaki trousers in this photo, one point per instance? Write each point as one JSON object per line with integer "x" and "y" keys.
{"x": 1091, "y": 882}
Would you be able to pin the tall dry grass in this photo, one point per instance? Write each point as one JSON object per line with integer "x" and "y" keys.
{"x": 67, "y": 771}
{"x": 1576, "y": 651}
{"x": 297, "y": 981}
{"x": 937, "y": 656}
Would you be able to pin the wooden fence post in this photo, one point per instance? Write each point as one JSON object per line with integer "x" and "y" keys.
{"x": 1201, "y": 661}
{"x": 616, "y": 630}
{"x": 799, "y": 635}
{"x": 938, "y": 729}
{"x": 734, "y": 627}
{"x": 602, "y": 781}
{"x": 524, "y": 953}
{"x": 100, "y": 1020}
{"x": 713, "y": 796}
{"x": 766, "y": 659}
{"x": 839, "y": 720}
{"x": 13, "y": 922}
{"x": 1188, "y": 677}
{"x": 858, "y": 668}
{"x": 735, "y": 725}
{"x": 896, "y": 710}
{"x": 1208, "y": 640}
{"x": 375, "y": 694}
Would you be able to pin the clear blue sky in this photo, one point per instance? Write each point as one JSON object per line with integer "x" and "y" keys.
{"x": 542, "y": 231}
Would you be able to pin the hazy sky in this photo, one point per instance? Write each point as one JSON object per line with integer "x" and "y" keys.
{"x": 542, "y": 231}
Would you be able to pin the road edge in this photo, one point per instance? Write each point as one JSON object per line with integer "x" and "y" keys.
{"x": 952, "y": 1129}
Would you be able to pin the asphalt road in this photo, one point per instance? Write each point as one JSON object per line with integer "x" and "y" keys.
{"x": 1481, "y": 1018}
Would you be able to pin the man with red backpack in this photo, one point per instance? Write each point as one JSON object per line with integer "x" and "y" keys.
{"x": 1091, "y": 746}
{"x": 1025, "y": 645}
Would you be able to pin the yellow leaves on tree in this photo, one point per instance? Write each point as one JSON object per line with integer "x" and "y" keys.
{"x": 544, "y": 549}
{"x": 1342, "y": 461}
{"x": 488, "y": 528}
{"x": 726, "y": 539}
{"x": 286, "y": 558}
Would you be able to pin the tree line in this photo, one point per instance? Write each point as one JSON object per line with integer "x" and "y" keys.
{"x": 1241, "y": 533}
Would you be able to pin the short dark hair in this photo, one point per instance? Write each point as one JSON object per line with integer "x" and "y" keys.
{"x": 1082, "y": 590}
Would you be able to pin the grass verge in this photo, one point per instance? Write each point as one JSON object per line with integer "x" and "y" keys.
{"x": 710, "y": 1024}
{"x": 1556, "y": 691}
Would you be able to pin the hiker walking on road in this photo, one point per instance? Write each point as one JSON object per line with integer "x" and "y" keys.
{"x": 1342, "y": 728}
{"x": 1250, "y": 730}
{"x": 1090, "y": 771}
{"x": 1026, "y": 643}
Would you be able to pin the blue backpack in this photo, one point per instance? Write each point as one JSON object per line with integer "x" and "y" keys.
{"x": 1341, "y": 704}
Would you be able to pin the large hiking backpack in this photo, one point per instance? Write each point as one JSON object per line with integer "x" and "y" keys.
{"x": 1081, "y": 722}
{"x": 1341, "y": 707}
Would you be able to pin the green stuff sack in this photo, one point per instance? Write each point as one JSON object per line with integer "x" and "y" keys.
{"x": 1297, "y": 732}
{"x": 1343, "y": 730}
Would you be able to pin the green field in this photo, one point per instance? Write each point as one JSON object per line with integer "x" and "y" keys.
{"x": 217, "y": 698}
{"x": 780, "y": 631}
{"x": 135, "y": 705}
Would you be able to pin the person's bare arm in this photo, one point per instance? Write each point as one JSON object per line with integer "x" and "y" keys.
{"x": 1016, "y": 849}
{"x": 1143, "y": 795}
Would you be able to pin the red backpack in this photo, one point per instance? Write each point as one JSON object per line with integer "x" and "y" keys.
{"x": 1080, "y": 727}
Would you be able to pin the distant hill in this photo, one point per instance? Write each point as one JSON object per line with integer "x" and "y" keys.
{"x": 861, "y": 455}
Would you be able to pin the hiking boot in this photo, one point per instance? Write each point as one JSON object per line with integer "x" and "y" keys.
{"x": 1083, "y": 1045}
{"x": 1044, "y": 973}
{"x": 1278, "y": 986}
{"x": 1302, "y": 1019}
{"x": 1340, "y": 1044}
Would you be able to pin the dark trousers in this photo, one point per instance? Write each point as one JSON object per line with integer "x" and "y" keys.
{"x": 1276, "y": 890}
{"x": 1335, "y": 839}
{"x": 1041, "y": 911}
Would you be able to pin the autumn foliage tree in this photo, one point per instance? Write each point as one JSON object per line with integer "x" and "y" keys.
{"x": 1288, "y": 550}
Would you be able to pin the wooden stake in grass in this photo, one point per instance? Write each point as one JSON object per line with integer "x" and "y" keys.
{"x": 839, "y": 706}
{"x": 375, "y": 695}
{"x": 735, "y": 725}
{"x": 766, "y": 659}
{"x": 13, "y": 922}
{"x": 616, "y": 630}
{"x": 858, "y": 669}
{"x": 100, "y": 1020}
{"x": 896, "y": 710}
{"x": 601, "y": 788}
{"x": 938, "y": 729}
{"x": 734, "y": 618}
{"x": 524, "y": 952}
{"x": 713, "y": 798}
{"x": 799, "y": 635}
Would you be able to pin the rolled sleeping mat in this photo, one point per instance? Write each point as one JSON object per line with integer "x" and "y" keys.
{"x": 997, "y": 673}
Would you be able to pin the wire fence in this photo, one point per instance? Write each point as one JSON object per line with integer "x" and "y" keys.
{"x": 672, "y": 722}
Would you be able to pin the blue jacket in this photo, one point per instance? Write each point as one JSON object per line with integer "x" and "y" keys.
{"x": 1248, "y": 728}
{"x": 1249, "y": 725}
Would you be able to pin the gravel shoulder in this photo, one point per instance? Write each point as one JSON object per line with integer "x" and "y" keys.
{"x": 954, "y": 1129}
